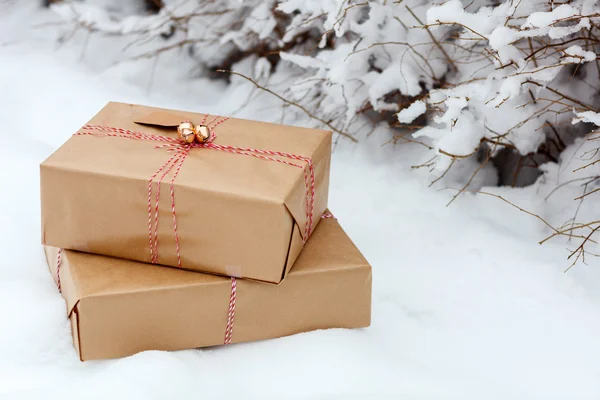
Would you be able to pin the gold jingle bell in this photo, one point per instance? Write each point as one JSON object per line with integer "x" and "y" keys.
{"x": 186, "y": 132}
{"x": 202, "y": 133}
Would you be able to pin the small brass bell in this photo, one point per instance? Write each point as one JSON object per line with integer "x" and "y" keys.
{"x": 186, "y": 132}
{"x": 202, "y": 133}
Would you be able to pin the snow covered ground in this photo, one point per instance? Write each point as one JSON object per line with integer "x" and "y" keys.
{"x": 466, "y": 304}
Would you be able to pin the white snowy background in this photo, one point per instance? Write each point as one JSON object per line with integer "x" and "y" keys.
{"x": 466, "y": 303}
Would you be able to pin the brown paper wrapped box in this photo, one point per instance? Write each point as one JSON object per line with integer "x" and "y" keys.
{"x": 236, "y": 215}
{"x": 119, "y": 307}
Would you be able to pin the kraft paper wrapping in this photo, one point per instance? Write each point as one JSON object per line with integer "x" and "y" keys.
{"x": 236, "y": 215}
{"x": 119, "y": 307}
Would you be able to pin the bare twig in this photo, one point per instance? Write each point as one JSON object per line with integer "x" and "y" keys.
{"x": 291, "y": 103}
{"x": 481, "y": 165}
{"x": 437, "y": 43}
{"x": 443, "y": 174}
{"x": 520, "y": 209}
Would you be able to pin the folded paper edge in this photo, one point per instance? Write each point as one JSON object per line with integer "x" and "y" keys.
{"x": 300, "y": 218}
{"x": 51, "y": 253}
{"x": 68, "y": 288}
{"x": 74, "y": 318}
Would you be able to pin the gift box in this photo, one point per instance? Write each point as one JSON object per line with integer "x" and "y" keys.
{"x": 120, "y": 307}
{"x": 239, "y": 201}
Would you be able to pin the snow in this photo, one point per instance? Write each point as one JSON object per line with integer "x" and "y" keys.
{"x": 503, "y": 36}
{"x": 576, "y": 55}
{"x": 396, "y": 76}
{"x": 93, "y": 15}
{"x": 410, "y": 113}
{"x": 301, "y": 61}
{"x": 544, "y": 19}
{"x": 466, "y": 304}
{"x": 480, "y": 23}
{"x": 587, "y": 116}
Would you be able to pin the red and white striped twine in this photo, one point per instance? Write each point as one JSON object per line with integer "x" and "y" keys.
{"x": 328, "y": 216}
{"x": 231, "y": 313}
{"x": 58, "y": 263}
{"x": 176, "y": 161}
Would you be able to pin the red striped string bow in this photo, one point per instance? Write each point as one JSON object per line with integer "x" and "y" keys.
{"x": 232, "y": 295}
{"x": 180, "y": 151}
